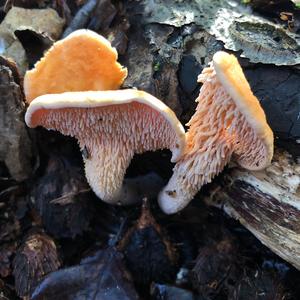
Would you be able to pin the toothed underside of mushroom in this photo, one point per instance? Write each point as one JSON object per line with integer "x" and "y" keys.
{"x": 216, "y": 131}
{"x": 109, "y": 136}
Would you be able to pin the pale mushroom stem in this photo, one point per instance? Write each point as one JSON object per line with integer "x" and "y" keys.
{"x": 109, "y": 161}
{"x": 216, "y": 130}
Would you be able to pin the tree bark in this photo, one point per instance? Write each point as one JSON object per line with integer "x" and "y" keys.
{"x": 265, "y": 202}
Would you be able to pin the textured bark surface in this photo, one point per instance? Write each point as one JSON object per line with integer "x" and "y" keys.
{"x": 267, "y": 203}
{"x": 15, "y": 146}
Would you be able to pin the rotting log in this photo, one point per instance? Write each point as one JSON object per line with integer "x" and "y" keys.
{"x": 266, "y": 202}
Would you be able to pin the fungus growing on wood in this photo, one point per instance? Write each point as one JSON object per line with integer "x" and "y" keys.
{"x": 110, "y": 127}
{"x": 83, "y": 61}
{"x": 228, "y": 122}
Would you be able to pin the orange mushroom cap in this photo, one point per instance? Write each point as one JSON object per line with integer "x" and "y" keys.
{"x": 110, "y": 127}
{"x": 83, "y": 61}
{"x": 228, "y": 121}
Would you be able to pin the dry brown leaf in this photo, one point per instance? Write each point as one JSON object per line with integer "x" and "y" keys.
{"x": 41, "y": 21}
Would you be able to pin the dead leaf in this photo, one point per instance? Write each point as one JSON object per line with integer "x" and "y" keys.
{"x": 63, "y": 199}
{"x": 148, "y": 250}
{"x": 101, "y": 276}
{"x": 34, "y": 44}
{"x": 41, "y": 21}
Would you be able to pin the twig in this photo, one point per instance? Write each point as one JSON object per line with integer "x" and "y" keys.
{"x": 81, "y": 17}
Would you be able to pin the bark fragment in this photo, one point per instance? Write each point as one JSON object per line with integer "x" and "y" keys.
{"x": 15, "y": 147}
{"x": 259, "y": 39}
{"x": 267, "y": 203}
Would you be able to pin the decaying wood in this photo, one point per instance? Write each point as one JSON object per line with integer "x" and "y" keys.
{"x": 265, "y": 202}
{"x": 15, "y": 147}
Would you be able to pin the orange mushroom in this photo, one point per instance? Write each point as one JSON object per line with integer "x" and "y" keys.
{"x": 228, "y": 121}
{"x": 110, "y": 127}
{"x": 83, "y": 61}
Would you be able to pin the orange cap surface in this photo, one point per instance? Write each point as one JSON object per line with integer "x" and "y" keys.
{"x": 232, "y": 78}
{"x": 83, "y": 61}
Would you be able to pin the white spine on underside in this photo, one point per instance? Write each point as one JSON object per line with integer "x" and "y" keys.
{"x": 228, "y": 120}
{"x": 94, "y": 99}
{"x": 110, "y": 127}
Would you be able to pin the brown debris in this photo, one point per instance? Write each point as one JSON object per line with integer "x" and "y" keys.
{"x": 117, "y": 32}
{"x": 154, "y": 66}
{"x": 6, "y": 253}
{"x": 61, "y": 197}
{"x": 258, "y": 285}
{"x": 103, "y": 15}
{"x": 223, "y": 272}
{"x": 23, "y": 3}
{"x": 64, "y": 9}
{"x": 148, "y": 252}
{"x": 140, "y": 64}
{"x": 12, "y": 209}
{"x": 35, "y": 258}
{"x": 289, "y": 18}
{"x": 165, "y": 86}
{"x": 119, "y": 40}
{"x": 10, "y": 64}
{"x": 15, "y": 148}
{"x": 6, "y": 291}
{"x": 215, "y": 266}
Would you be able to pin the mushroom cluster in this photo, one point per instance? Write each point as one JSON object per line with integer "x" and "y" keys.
{"x": 110, "y": 125}
{"x": 77, "y": 93}
{"x": 228, "y": 122}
